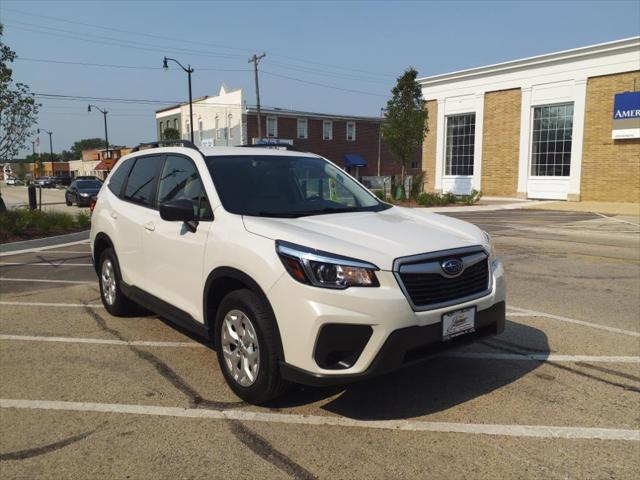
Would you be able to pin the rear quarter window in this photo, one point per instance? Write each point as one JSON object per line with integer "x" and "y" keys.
{"x": 141, "y": 184}
{"x": 116, "y": 181}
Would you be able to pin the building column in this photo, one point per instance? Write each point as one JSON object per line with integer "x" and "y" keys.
{"x": 525, "y": 136}
{"x": 577, "y": 137}
{"x": 476, "y": 181}
{"x": 440, "y": 136}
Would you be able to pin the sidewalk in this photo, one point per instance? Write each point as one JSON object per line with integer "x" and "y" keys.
{"x": 607, "y": 208}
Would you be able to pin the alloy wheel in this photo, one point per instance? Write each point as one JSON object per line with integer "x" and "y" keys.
{"x": 240, "y": 348}
{"x": 108, "y": 279}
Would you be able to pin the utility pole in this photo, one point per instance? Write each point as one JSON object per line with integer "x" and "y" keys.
{"x": 255, "y": 60}
{"x": 50, "y": 133}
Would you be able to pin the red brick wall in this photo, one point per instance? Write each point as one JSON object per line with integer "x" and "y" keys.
{"x": 365, "y": 144}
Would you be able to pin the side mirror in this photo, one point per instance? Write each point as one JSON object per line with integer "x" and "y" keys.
{"x": 179, "y": 211}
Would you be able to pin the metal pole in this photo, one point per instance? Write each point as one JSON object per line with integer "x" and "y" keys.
{"x": 189, "y": 70}
{"x": 51, "y": 149}
{"x": 106, "y": 134}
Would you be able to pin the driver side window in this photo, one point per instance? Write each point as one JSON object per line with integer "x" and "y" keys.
{"x": 180, "y": 180}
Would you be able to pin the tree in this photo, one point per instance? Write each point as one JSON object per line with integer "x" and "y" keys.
{"x": 406, "y": 121}
{"x": 171, "y": 134}
{"x": 18, "y": 107}
{"x": 86, "y": 144}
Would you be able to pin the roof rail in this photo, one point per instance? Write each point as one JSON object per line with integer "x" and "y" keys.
{"x": 277, "y": 146}
{"x": 166, "y": 143}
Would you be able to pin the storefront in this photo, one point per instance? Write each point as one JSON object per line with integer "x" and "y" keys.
{"x": 562, "y": 126}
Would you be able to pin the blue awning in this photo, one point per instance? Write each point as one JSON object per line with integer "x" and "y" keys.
{"x": 354, "y": 160}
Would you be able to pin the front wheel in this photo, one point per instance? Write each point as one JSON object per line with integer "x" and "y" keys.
{"x": 67, "y": 201}
{"x": 113, "y": 299}
{"x": 247, "y": 347}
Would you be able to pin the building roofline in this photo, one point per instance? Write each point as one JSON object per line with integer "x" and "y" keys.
{"x": 302, "y": 113}
{"x": 535, "y": 61}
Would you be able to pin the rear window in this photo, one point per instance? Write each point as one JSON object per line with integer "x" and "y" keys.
{"x": 116, "y": 181}
{"x": 89, "y": 184}
{"x": 142, "y": 181}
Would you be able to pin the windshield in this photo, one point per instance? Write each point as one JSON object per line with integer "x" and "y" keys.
{"x": 274, "y": 186}
{"x": 89, "y": 184}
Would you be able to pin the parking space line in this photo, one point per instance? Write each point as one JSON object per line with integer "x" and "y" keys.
{"x": 41, "y": 249}
{"x": 536, "y": 431}
{"x": 87, "y": 252}
{"x": 101, "y": 341}
{"x": 44, "y": 264}
{"x": 44, "y": 304}
{"x": 535, "y": 357}
{"x": 541, "y": 357}
{"x": 42, "y": 280}
{"x": 534, "y": 313}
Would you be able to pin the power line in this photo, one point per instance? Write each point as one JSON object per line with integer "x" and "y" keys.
{"x": 132, "y": 67}
{"x": 111, "y": 29}
{"x": 325, "y": 85}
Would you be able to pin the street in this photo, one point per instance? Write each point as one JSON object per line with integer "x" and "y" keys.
{"x": 87, "y": 395}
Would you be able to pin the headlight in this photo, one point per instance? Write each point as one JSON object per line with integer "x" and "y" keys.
{"x": 323, "y": 269}
{"x": 492, "y": 250}
{"x": 84, "y": 194}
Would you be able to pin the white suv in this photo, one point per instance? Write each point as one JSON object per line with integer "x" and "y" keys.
{"x": 295, "y": 271}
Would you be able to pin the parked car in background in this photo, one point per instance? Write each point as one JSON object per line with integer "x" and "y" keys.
{"x": 82, "y": 192}
{"x": 11, "y": 181}
{"x": 63, "y": 180}
{"x": 88, "y": 177}
{"x": 45, "y": 182}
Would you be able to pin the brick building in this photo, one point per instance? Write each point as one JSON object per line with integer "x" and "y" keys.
{"x": 352, "y": 142}
{"x": 563, "y": 126}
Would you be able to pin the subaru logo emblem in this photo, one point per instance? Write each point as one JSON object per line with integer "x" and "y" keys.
{"x": 452, "y": 267}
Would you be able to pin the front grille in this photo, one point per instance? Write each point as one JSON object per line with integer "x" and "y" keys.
{"x": 431, "y": 289}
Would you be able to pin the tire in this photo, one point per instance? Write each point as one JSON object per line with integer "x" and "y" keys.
{"x": 110, "y": 280}
{"x": 67, "y": 201}
{"x": 252, "y": 315}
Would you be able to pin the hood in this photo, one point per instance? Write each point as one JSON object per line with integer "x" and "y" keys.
{"x": 375, "y": 237}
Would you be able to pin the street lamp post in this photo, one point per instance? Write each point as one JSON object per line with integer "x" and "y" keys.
{"x": 106, "y": 133}
{"x": 50, "y": 133}
{"x": 189, "y": 71}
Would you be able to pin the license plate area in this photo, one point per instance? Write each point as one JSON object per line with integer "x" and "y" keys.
{"x": 458, "y": 322}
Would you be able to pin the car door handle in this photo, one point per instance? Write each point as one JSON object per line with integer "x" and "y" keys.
{"x": 150, "y": 226}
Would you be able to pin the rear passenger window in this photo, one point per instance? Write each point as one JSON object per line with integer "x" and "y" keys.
{"x": 142, "y": 180}
{"x": 180, "y": 180}
{"x": 116, "y": 181}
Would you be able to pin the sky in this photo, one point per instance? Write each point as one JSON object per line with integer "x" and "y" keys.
{"x": 327, "y": 56}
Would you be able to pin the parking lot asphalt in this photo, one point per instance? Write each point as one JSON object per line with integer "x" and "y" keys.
{"x": 52, "y": 198}
{"x": 557, "y": 395}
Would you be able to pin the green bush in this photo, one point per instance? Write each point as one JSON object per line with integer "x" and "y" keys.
{"x": 472, "y": 198}
{"x": 26, "y": 223}
{"x": 416, "y": 185}
{"x": 379, "y": 194}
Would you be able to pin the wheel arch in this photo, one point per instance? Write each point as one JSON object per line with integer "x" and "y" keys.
{"x": 222, "y": 281}
{"x": 100, "y": 244}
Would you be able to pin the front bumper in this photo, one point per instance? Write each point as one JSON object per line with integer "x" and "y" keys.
{"x": 405, "y": 347}
{"x": 382, "y": 313}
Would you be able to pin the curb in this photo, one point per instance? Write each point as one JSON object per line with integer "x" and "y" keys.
{"x": 26, "y": 246}
{"x": 486, "y": 208}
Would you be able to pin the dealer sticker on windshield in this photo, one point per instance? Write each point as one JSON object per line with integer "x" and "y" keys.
{"x": 458, "y": 322}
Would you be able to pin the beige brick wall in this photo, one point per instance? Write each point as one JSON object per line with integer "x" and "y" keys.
{"x": 501, "y": 143}
{"x": 429, "y": 147}
{"x": 610, "y": 168}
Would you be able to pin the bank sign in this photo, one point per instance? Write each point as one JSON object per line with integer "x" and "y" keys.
{"x": 626, "y": 115}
